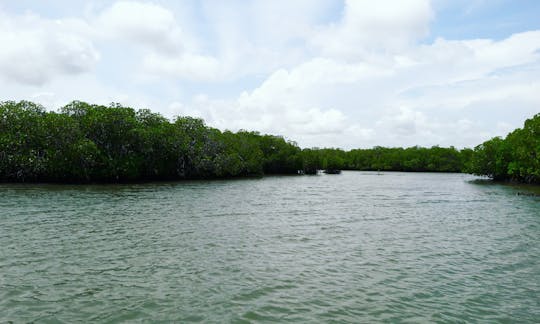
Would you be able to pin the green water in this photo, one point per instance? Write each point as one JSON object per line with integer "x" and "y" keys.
{"x": 357, "y": 247}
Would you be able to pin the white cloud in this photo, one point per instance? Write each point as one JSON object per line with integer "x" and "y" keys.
{"x": 34, "y": 49}
{"x": 186, "y": 66}
{"x": 366, "y": 78}
{"x": 165, "y": 50}
{"x": 375, "y": 26}
{"x": 441, "y": 93}
{"x": 144, "y": 23}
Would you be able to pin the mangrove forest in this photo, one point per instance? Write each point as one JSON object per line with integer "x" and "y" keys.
{"x": 84, "y": 142}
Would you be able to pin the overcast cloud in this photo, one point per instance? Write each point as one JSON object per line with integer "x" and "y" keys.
{"x": 320, "y": 72}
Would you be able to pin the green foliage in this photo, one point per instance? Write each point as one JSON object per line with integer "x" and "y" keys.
{"x": 311, "y": 161}
{"x": 516, "y": 157}
{"x": 22, "y": 146}
{"x": 412, "y": 159}
{"x": 92, "y": 143}
{"x": 279, "y": 155}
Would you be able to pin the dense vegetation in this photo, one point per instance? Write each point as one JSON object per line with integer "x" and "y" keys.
{"x": 416, "y": 159}
{"x": 514, "y": 158}
{"x": 93, "y": 143}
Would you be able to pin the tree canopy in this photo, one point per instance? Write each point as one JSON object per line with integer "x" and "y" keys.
{"x": 515, "y": 158}
{"x": 94, "y": 143}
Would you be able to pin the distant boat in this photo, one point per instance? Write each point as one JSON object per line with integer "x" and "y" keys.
{"x": 332, "y": 171}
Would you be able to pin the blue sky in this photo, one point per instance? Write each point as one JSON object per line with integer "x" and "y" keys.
{"x": 335, "y": 73}
{"x": 494, "y": 19}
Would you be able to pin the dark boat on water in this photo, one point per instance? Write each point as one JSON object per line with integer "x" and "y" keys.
{"x": 332, "y": 171}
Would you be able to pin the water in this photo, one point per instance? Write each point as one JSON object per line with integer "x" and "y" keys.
{"x": 356, "y": 247}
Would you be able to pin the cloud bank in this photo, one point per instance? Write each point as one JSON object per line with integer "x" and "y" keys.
{"x": 369, "y": 74}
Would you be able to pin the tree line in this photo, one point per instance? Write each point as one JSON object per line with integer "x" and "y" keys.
{"x": 93, "y": 143}
{"x": 513, "y": 158}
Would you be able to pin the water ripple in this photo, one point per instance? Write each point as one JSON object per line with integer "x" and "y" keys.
{"x": 350, "y": 248}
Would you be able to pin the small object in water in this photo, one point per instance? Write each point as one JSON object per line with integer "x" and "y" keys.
{"x": 530, "y": 194}
{"x": 332, "y": 171}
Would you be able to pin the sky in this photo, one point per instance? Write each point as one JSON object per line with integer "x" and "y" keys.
{"x": 323, "y": 73}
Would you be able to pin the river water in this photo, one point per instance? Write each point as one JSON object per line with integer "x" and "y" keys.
{"x": 356, "y": 247}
